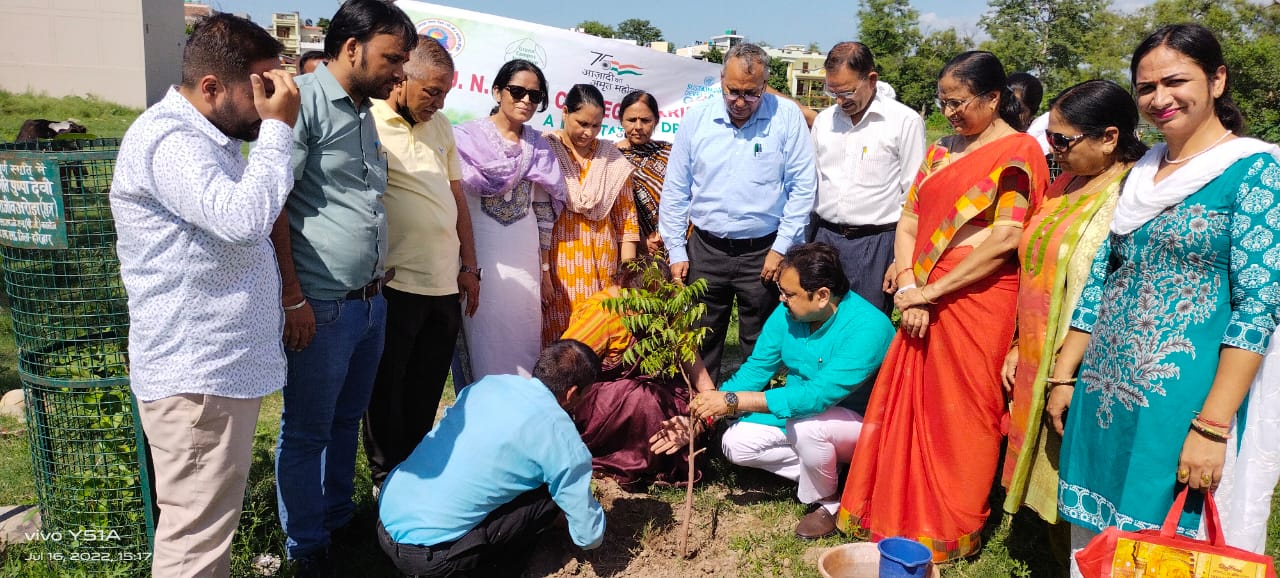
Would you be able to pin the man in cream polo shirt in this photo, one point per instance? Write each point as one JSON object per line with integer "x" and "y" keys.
{"x": 432, "y": 250}
{"x": 868, "y": 148}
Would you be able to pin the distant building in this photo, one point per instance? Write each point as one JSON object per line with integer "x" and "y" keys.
{"x": 125, "y": 51}
{"x": 287, "y": 28}
{"x": 193, "y": 10}
{"x": 806, "y": 78}
{"x": 312, "y": 39}
{"x": 722, "y": 42}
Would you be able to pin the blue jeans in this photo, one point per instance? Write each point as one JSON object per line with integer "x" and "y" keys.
{"x": 326, "y": 394}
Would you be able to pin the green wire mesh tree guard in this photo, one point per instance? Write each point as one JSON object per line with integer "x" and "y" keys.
{"x": 70, "y": 320}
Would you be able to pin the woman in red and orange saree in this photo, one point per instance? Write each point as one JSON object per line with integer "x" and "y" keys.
{"x": 931, "y": 438}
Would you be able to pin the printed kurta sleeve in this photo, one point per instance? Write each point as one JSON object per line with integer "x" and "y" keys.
{"x": 848, "y": 366}
{"x": 623, "y": 217}
{"x": 233, "y": 208}
{"x": 1255, "y": 258}
{"x": 1086, "y": 313}
{"x": 1014, "y": 200}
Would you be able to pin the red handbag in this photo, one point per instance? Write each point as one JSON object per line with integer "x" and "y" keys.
{"x": 1165, "y": 554}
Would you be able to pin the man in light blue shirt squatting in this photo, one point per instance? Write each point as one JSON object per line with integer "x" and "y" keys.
{"x": 742, "y": 172}
{"x": 498, "y": 469}
{"x": 330, "y": 246}
{"x": 832, "y": 342}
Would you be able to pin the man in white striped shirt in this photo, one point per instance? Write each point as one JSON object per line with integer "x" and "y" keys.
{"x": 194, "y": 219}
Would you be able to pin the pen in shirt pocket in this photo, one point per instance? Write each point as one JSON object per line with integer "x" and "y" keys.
{"x": 756, "y": 150}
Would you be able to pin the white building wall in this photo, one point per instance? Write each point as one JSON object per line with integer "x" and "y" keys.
{"x": 124, "y": 51}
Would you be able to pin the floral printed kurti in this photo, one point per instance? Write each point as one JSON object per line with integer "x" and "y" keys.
{"x": 1160, "y": 303}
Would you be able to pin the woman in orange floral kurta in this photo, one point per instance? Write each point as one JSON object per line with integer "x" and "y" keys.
{"x": 598, "y": 228}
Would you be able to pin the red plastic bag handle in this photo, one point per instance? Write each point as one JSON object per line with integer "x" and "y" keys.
{"x": 1213, "y": 526}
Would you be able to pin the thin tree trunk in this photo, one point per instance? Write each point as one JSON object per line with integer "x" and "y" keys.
{"x": 688, "y": 489}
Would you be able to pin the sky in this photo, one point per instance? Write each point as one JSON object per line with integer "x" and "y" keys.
{"x": 681, "y": 21}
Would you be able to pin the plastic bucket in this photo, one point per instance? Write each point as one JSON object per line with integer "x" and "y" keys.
{"x": 857, "y": 560}
{"x": 904, "y": 558}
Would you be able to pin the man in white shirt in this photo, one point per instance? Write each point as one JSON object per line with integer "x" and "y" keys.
{"x": 194, "y": 220}
{"x": 868, "y": 149}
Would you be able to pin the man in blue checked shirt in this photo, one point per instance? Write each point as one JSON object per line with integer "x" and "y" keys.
{"x": 743, "y": 174}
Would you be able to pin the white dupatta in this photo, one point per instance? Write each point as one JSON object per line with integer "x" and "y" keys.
{"x": 1252, "y": 467}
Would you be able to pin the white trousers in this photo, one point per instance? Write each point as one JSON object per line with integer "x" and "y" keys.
{"x": 808, "y": 452}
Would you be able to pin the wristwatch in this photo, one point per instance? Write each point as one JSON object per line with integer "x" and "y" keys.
{"x": 478, "y": 271}
{"x": 731, "y": 399}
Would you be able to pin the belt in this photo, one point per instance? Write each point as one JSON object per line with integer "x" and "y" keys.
{"x": 855, "y": 231}
{"x": 367, "y": 292}
{"x": 736, "y": 245}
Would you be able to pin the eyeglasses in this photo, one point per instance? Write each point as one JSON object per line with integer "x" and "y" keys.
{"x": 953, "y": 104}
{"x": 846, "y": 95}
{"x": 519, "y": 92}
{"x": 751, "y": 96}
{"x": 786, "y": 297}
{"x": 1062, "y": 143}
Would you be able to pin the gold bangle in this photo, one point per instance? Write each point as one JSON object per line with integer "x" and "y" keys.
{"x": 295, "y": 307}
{"x": 1060, "y": 380}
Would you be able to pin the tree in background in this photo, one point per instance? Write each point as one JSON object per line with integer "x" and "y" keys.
{"x": 323, "y": 23}
{"x": 714, "y": 54}
{"x": 917, "y": 80}
{"x": 596, "y": 28}
{"x": 778, "y": 75}
{"x": 891, "y": 29}
{"x": 905, "y": 58}
{"x": 639, "y": 30}
{"x": 814, "y": 47}
{"x": 1043, "y": 37}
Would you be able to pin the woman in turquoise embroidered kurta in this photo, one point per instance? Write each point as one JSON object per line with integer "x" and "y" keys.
{"x": 1181, "y": 303}
{"x": 1160, "y": 303}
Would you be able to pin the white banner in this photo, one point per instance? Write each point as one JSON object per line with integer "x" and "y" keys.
{"x": 482, "y": 43}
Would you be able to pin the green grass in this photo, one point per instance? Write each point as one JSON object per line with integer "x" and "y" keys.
{"x": 103, "y": 119}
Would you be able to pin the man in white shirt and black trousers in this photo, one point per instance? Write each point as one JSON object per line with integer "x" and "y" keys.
{"x": 868, "y": 148}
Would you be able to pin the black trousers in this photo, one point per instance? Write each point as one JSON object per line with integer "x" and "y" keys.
{"x": 499, "y": 546}
{"x": 421, "y": 333}
{"x": 730, "y": 273}
{"x": 864, "y": 260}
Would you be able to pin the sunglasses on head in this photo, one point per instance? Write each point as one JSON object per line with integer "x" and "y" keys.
{"x": 519, "y": 92}
{"x": 1061, "y": 142}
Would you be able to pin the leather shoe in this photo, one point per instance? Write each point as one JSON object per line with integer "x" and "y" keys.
{"x": 816, "y": 524}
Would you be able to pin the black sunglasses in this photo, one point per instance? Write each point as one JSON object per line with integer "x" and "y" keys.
{"x": 1061, "y": 142}
{"x": 518, "y": 93}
